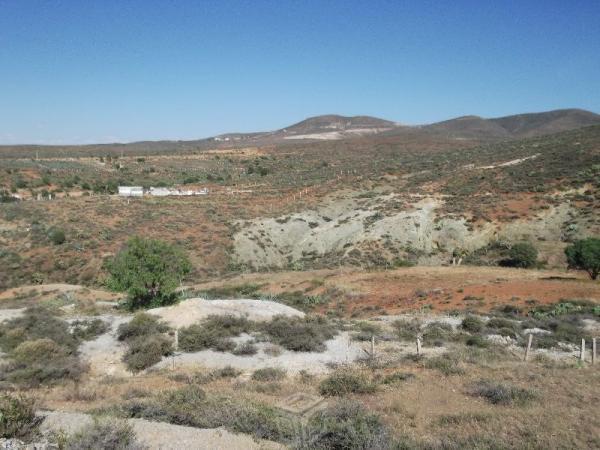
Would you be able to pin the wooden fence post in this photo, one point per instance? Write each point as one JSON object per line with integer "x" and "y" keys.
{"x": 582, "y": 351}
{"x": 373, "y": 346}
{"x": 528, "y": 349}
{"x": 593, "y": 351}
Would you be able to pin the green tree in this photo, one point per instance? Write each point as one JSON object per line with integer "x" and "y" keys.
{"x": 522, "y": 255}
{"x": 149, "y": 270}
{"x": 585, "y": 255}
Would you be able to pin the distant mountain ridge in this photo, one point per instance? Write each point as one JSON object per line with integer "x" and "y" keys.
{"x": 336, "y": 127}
{"x": 516, "y": 126}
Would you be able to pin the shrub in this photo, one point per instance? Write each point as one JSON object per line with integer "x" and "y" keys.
{"x": 40, "y": 347}
{"x": 523, "y": 255}
{"x": 398, "y": 376}
{"x": 141, "y": 325}
{"x": 298, "y": 334}
{"x": 585, "y": 255}
{"x": 149, "y": 271}
{"x": 227, "y": 372}
{"x": 107, "y": 434}
{"x": 213, "y": 332}
{"x": 438, "y": 332}
{"x": 498, "y": 323}
{"x": 345, "y": 425}
{"x": 86, "y": 330}
{"x": 344, "y": 382}
{"x": 224, "y": 345}
{"x": 41, "y": 361}
{"x": 245, "y": 349}
{"x": 407, "y": 330}
{"x": 147, "y": 344}
{"x": 146, "y": 351}
{"x": 477, "y": 341}
{"x": 191, "y": 406}
{"x": 472, "y": 324}
{"x": 268, "y": 374}
{"x": 37, "y": 322}
{"x": 501, "y": 394}
{"x": 57, "y": 236}
{"x": 448, "y": 364}
{"x": 17, "y": 417}
{"x": 366, "y": 331}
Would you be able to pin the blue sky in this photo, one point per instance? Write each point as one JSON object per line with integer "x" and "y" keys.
{"x": 102, "y": 71}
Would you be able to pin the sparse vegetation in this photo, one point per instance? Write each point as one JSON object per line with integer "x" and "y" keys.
{"x": 191, "y": 406}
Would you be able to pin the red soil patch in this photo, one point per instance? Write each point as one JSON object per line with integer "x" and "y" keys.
{"x": 358, "y": 293}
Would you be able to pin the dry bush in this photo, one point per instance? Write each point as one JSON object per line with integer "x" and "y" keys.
{"x": 146, "y": 351}
{"x": 307, "y": 334}
{"x": 344, "y": 382}
{"x": 41, "y": 362}
{"x": 501, "y": 394}
{"x": 346, "y": 425}
{"x": 17, "y": 417}
{"x": 269, "y": 374}
{"x": 191, "y": 406}
{"x": 107, "y": 434}
{"x": 213, "y": 332}
{"x": 146, "y": 341}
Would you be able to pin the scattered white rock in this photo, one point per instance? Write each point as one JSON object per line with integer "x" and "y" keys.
{"x": 535, "y": 331}
{"x": 499, "y": 339}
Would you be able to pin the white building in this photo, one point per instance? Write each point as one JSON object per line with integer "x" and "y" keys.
{"x": 131, "y": 191}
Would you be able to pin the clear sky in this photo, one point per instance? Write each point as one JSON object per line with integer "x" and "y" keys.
{"x": 84, "y": 71}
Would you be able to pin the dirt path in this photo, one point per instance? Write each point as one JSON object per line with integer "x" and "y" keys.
{"x": 163, "y": 436}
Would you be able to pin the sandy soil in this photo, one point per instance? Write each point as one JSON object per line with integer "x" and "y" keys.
{"x": 163, "y": 436}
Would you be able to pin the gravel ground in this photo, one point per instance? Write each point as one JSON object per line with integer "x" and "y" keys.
{"x": 339, "y": 351}
{"x": 8, "y": 314}
{"x": 163, "y": 436}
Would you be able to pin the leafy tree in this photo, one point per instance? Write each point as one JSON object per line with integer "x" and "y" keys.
{"x": 585, "y": 255}
{"x": 522, "y": 255}
{"x": 149, "y": 271}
